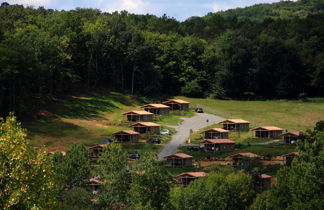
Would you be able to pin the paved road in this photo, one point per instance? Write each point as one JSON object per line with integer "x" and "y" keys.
{"x": 183, "y": 131}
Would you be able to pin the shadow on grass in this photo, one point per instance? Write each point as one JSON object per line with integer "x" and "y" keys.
{"x": 90, "y": 106}
{"x": 56, "y": 128}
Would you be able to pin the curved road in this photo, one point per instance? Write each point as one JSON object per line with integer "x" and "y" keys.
{"x": 183, "y": 131}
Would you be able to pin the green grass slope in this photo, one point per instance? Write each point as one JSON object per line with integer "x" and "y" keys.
{"x": 294, "y": 115}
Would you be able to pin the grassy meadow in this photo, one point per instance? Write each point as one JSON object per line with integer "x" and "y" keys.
{"x": 291, "y": 115}
{"x": 89, "y": 120}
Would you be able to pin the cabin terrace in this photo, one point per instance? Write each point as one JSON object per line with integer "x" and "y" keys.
{"x": 186, "y": 178}
{"x": 216, "y": 133}
{"x": 146, "y": 127}
{"x": 95, "y": 151}
{"x": 126, "y": 136}
{"x": 139, "y": 116}
{"x": 177, "y": 104}
{"x": 241, "y": 157}
{"x": 235, "y": 124}
{"x": 270, "y": 132}
{"x": 218, "y": 145}
{"x": 178, "y": 160}
{"x": 290, "y": 137}
{"x": 159, "y": 109}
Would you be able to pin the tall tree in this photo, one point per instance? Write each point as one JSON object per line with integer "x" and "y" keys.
{"x": 26, "y": 176}
{"x": 113, "y": 171}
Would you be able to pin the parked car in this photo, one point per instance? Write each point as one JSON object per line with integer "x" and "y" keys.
{"x": 165, "y": 132}
{"x": 199, "y": 110}
{"x": 154, "y": 140}
{"x": 134, "y": 156}
{"x": 107, "y": 141}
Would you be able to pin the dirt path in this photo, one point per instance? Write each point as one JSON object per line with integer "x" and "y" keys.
{"x": 183, "y": 131}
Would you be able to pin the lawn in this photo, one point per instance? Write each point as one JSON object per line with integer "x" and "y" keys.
{"x": 295, "y": 115}
{"x": 174, "y": 118}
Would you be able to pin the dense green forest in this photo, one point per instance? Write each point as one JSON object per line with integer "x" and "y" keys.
{"x": 263, "y": 51}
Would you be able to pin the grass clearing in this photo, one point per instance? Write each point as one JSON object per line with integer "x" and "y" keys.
{"x": 174, "y": 118}
{"x": 296, "y": 115}
{"x": 90, "y": 119}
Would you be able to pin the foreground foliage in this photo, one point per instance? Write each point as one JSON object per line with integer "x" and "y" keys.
{"x": 299, "y": 186}
{"x": 26, "y": 175}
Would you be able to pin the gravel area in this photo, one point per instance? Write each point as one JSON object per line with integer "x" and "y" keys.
{"x": 183, "y": 131}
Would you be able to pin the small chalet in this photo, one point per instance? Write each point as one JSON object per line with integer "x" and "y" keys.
{"x": 160, "y": 109}
{"x": 270, "y": 132}
{"x": 240, "y": 157}
{"x": 218, "y": 145}
{"x": 126, "y": 136}
{"x": 177, "y": 104}
{"x": 287, "y": 158}
{"x": 235, "y": 124}
{"x": 178, "y": 160}
{"x": 290, "y": 137}
{"x": 265, "y": 181}
{"x": 95, "y": 185}
{"x": 95, "y": 151}
{"x": 146, "y": 127}
{"x": 139, "y": 116}
{"x": 216, "y": 133}
{"x": 187, "y": 177}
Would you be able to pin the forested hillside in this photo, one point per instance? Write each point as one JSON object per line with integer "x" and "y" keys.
{"x": 46, "y": 53}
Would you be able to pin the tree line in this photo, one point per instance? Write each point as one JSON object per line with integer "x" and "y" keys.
{"x": 46, "y": 53}
{"x": 32, "y": 179}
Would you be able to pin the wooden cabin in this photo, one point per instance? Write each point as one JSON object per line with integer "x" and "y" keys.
{"x": 218, "y": 145}
{"x": 126, "y": 136}
{"x": 95, "y": 151}
{"x": 216, "y": 133}
{"x": 95, "y": 185}
{"x": 270, "y": 132}
{"x": 290, "y": 137}
{"x": 159, "y": 109}
{"x": 178, "y": 160}
{"x": 235, "y": 125}
{"x": 287, "y": 158}
{"x": 265, "y": 181}
{"x": 187, "y": 177}
{"x": 139, "y": 116}
{"x": 240, "y": 157}
{"x": 177, "y": 104}
{"x": 146, "y": 127}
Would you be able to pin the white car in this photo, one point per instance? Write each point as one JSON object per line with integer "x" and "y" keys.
{"x": 165, "y": 132}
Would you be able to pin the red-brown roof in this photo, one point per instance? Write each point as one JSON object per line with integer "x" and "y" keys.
{"x": 145, "y": 124}
{"x": 265, "y": 176}
{"x": 129, "y": 132}
{"x": 99, "y": 145}
{"x": 138, "y": 113}
{"x": 218, "y": 141}
{"x": 245, "y": 154}
{"x": 177, "y": 101}
{"x": 291, "y": 133}
{"x": 220, "y": 130}
{"x": 290, "y": 154}
{"x": 196, "y": 174}
{"x": 268, "y": 128}
{"x": 159, "y": 106}
{"x": 234, "y": 121}
{"x": 179, "y": 155}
